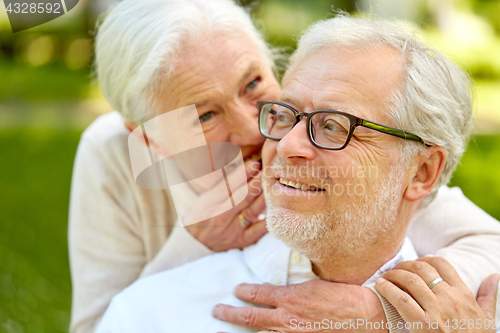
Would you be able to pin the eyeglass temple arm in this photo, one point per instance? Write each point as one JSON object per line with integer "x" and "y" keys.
{"x": 391, "y": 131}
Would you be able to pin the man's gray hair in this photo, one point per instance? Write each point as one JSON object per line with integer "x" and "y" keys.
{"x": 139, "y": 42}
{"x": 435, "y": 100}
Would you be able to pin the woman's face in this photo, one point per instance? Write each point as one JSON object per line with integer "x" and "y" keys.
{"x": 224, "y": 76}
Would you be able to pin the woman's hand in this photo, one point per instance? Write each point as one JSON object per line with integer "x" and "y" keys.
{"x": 237, "y": 227}
{"x": 429, "y": 304}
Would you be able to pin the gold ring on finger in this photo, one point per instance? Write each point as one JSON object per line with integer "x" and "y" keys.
{"x": 243, "y": 221}
{"x": 433, "y": 283}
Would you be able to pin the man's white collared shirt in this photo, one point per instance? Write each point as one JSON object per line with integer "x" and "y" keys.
{"x": 181, "y": 299}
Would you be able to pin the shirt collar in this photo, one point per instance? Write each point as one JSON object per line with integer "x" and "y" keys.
{"x": 269, "y": 260}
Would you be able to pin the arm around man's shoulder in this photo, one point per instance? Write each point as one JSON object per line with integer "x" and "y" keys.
{"x": 106, "y": 250}
{"x": 455, "y": 228}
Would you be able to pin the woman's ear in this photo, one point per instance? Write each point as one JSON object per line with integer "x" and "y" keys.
{"x": 136, "y": 131}
{"x": 430, "y": 166}
{"x": 131, "y": 126}
{"x": 146, "y": 140}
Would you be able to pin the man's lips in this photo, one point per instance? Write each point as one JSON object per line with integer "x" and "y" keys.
{"x": 299, "y": 185}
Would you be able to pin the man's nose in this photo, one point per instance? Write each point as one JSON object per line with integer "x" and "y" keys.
{"x": 244, "y": 125}
{"x": 296, "y": 143}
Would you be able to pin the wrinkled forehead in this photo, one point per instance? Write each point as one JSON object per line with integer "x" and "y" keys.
{"x": 352, "y": 79}
{"x": 211, "y": 68}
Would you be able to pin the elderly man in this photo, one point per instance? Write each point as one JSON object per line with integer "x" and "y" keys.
{"x": 369, "y": 124}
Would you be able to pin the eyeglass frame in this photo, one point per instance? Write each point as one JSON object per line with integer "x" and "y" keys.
{"x": 354, "y": 122}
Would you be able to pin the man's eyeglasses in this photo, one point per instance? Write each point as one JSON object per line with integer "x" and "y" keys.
{"x": 327, "y": 129}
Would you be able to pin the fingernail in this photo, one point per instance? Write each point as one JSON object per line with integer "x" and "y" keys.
{"x": 239, "y": 287}
{"x": 267, "y": 284}
{"x": 380, "y": 280}
{"x": 216, "y": 311}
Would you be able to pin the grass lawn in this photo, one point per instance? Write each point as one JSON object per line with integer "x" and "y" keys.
{"x": 35, "y": 174}
{"x": 21, "y": 82}
{"x": 478, "y": 174}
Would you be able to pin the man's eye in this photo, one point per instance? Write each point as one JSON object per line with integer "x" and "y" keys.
{"x": 206, "y": 116}
{"x": 330, "y": 127}
{"x": 334, "y": 127}
{"x": 252, "y": 84}
{"x": 283, "y": 118}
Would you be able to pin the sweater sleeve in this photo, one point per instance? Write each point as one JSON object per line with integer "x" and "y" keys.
{"x": 105, "y": 245}
{"x": 395, "y": 323}
{"x": 118, "y": 232}
{"x": 454, "y": 228}
{"x": 179, "y": 249}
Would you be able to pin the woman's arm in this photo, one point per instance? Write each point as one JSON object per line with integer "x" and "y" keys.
{"x": 105, "y": 238}
{"x": 119, "y": 232}
{"x": 454, "y": 228}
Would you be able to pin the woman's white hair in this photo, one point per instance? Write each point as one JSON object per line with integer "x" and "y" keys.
{"x": 435, "y": 100}
{"x": 139, "y": 42}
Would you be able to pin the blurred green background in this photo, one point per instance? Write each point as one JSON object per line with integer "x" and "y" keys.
{"x": 47, "y": 98}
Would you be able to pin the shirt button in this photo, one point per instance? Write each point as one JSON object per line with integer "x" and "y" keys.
{"x": 296, "y": 257}
{"x": 277, "y": 281}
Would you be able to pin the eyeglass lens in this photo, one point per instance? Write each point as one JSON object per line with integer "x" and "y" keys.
{"x": 328, "y": 129}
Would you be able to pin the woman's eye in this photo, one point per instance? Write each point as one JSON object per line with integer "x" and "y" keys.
{"x": 206, "y": 116}
{"x": 252, "y": 84}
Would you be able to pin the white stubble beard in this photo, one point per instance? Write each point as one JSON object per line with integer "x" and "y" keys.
{"x": 338, "y": 233}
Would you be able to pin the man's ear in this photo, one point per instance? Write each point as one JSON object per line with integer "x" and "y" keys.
{"x": 430, "y": 166}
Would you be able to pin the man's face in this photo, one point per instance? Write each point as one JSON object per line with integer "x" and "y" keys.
{"x": 224, "y": 76}
{"x": 362, "y": 184}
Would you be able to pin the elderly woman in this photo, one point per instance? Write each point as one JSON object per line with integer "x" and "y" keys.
{"x": 155, "y": 56}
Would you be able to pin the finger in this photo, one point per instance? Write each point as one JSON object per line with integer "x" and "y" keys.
{"x": 251, "y": 169}
{"x": 254, "y": 187}
{"x": 252, "y": 212}
{"x": 445, "y": 270}
{"x": 246, "y": 315}
{"x": 246, "y": 194}
{"x": 254, "y": 232}
{"x": 217, "y": 193}
{"x": 407, "y": 307}
{"x": 425, "y": 271}
{"x": 414, "y": 286}
{"x": 487, "y": 295}
{"x": 249, "y": 198}
{"x": 263, "y": 294}
{"x": 255, "y": 184}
